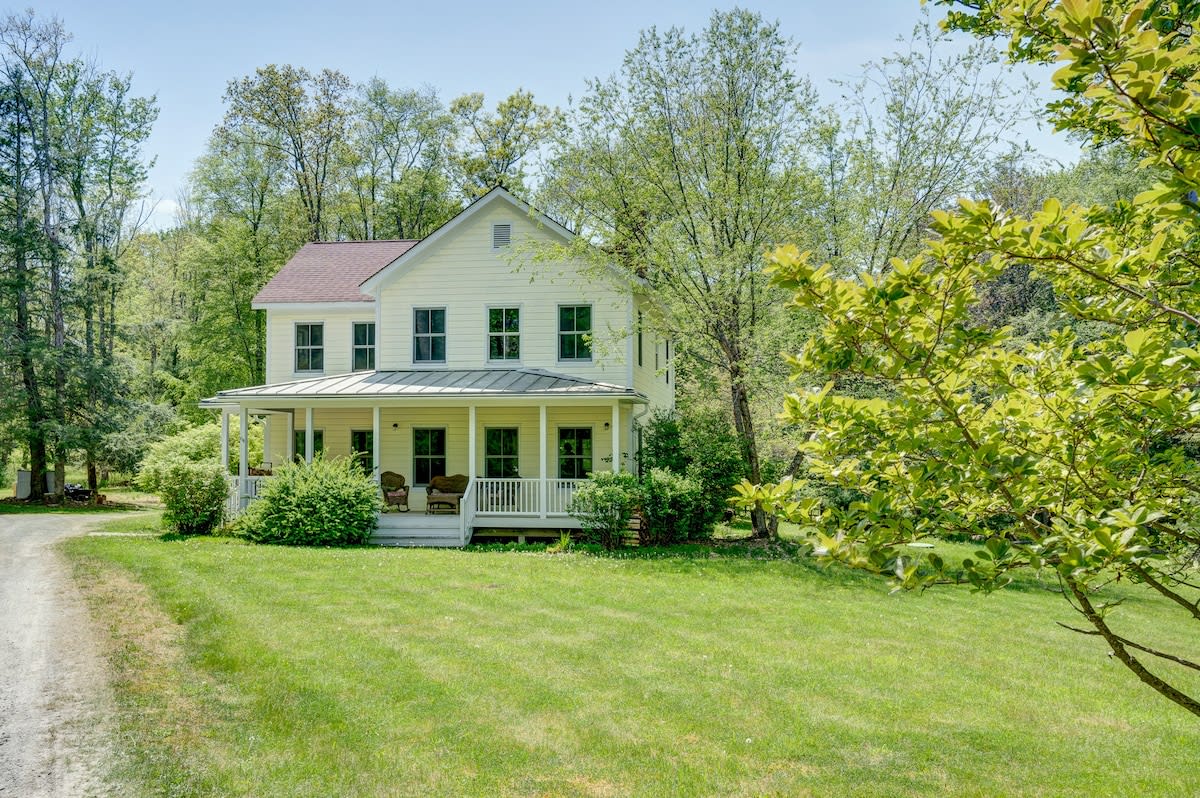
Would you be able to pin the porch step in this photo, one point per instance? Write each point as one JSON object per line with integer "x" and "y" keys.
{"x": 417, "y": 529}
{"x": 417, "y": 541}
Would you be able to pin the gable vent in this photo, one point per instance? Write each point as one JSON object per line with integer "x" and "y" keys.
{"x": 501, "y": 235}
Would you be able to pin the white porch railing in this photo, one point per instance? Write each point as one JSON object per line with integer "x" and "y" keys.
{"x": 523, "y": 496}
{"x": 242, "y": 491}
{"x": 466, "y": 513}
{"x": 507, "y": 496}
{"x": 559, "y": 493}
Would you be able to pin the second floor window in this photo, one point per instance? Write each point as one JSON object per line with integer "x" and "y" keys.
{"x": 504, "y": 333}
{"x": 574, "y": 330}
{"x": 429, "y": 335}
{"x": 310, "y": 347}
{"x": 364, "y": 346}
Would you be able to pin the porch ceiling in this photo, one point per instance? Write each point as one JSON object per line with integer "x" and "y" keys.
{"x": 432, "y": 383}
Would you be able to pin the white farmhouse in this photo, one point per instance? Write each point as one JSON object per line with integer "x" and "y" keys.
{"x": 455, "y": 355}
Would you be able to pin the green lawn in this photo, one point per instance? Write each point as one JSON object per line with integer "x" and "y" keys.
{"x": 262, "y": 671}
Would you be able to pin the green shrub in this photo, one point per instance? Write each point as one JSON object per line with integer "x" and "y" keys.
{"x": 325, "y": 503}
{"x": 700, "y": 445}
{"x": 194, "y": 495}
{"x": 195, "y": 445}
{"x": 676, "y": 509}
{"x": 603, "y": 506}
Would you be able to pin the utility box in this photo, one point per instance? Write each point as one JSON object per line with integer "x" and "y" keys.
{"x": 25, "y": 484}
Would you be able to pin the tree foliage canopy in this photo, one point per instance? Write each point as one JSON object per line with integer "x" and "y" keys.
{"x": 1074, "y": 458}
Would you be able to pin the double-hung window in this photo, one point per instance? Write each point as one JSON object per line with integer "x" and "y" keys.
{"x": 429, "y": 455}
{"x": 429, "y": 335}
{"x": 363, "y": 347}
{"x": 504, "y": 333}
{"x": 500, "y": 452}
{"x": 574, "y": 332}
{"x": 310, "y": 347}
{"x": 574, "y": 452}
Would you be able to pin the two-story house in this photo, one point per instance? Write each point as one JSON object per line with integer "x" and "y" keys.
{"x": 456, "y": 354}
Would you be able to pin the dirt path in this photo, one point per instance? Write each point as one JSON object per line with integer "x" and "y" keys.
{"x": 55, "y": 705}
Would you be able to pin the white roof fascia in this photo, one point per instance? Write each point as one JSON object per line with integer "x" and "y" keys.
{"x": 364, "y": 304}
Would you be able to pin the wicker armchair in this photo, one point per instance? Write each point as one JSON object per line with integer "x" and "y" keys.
{"x": 395, "y": 494}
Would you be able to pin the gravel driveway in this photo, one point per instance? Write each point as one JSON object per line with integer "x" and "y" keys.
{"x": 55, "y": 706}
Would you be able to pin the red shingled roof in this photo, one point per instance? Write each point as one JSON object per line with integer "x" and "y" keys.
{"x": 330, "y": 271}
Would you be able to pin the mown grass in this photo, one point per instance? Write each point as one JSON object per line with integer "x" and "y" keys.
{"x": 262, "y": 671}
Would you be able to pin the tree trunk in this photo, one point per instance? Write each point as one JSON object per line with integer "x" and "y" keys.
{"x": 765, "y": 526}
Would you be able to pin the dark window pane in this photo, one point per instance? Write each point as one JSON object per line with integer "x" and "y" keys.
{"x": 301, "y": 335}
{"x": 317, "y": 359}
{"x": 437, "y": 321}
{"x": 495, "y": 320}
{"x": 438, "y": 349}
{"x": 316, "y": 334}
{"x": 566, "y": 319}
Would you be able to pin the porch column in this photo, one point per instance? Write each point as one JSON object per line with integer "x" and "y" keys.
{"x": 267, "y": 440}
{"x": 225, "y": 440}
{"x": 308, "y": 435}
{"x": 375, "y": 446}
{"x": 289, "y": 446}
{"x": 616, "y": 436}
{"x": 244, "y": 448}
{"x": 543, "y": 486}
{"x": 471, "y": 442}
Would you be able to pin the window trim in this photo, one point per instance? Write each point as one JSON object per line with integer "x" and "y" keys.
{"x": 558, "y": 456}
{"x": 445, "y": 448}
{"x": 373, "y": 347}
{"x": 444, "y": 334}
{"x": 487, "y": 333}
{"x": 559, "y": 331}
{"x": 296, "y": 325}
{"x": 515, "y": 457}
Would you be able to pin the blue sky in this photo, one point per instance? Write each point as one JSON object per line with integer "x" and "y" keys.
{"x": 186, "y": 52}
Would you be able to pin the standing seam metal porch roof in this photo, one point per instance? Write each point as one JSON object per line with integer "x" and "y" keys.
{"x": 441, "y": 383}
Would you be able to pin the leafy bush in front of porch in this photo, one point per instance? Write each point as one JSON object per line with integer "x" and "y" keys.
{"x": 325, "y": 503}
{"x": 676, "y": 509}
{"x": 603, "y": 506}
{"x": 194, "y": 495}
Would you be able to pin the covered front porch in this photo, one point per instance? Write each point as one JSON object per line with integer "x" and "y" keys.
{"x": 524, "y": 453}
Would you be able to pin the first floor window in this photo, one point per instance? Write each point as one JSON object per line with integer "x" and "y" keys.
{"x": 574, "y": 452}
{"x": 574, "y": 332}
{"x": 429, "y": 455}
{"x": 504, "y": 333}
{"x": 310, "y": 347}
{"x": 362, "y": 448}
{"x": 429, "y": 335}
{"x": 500, "y": 452}
{"x": 298, "y": 444}
{"x": 363, "y": 354}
